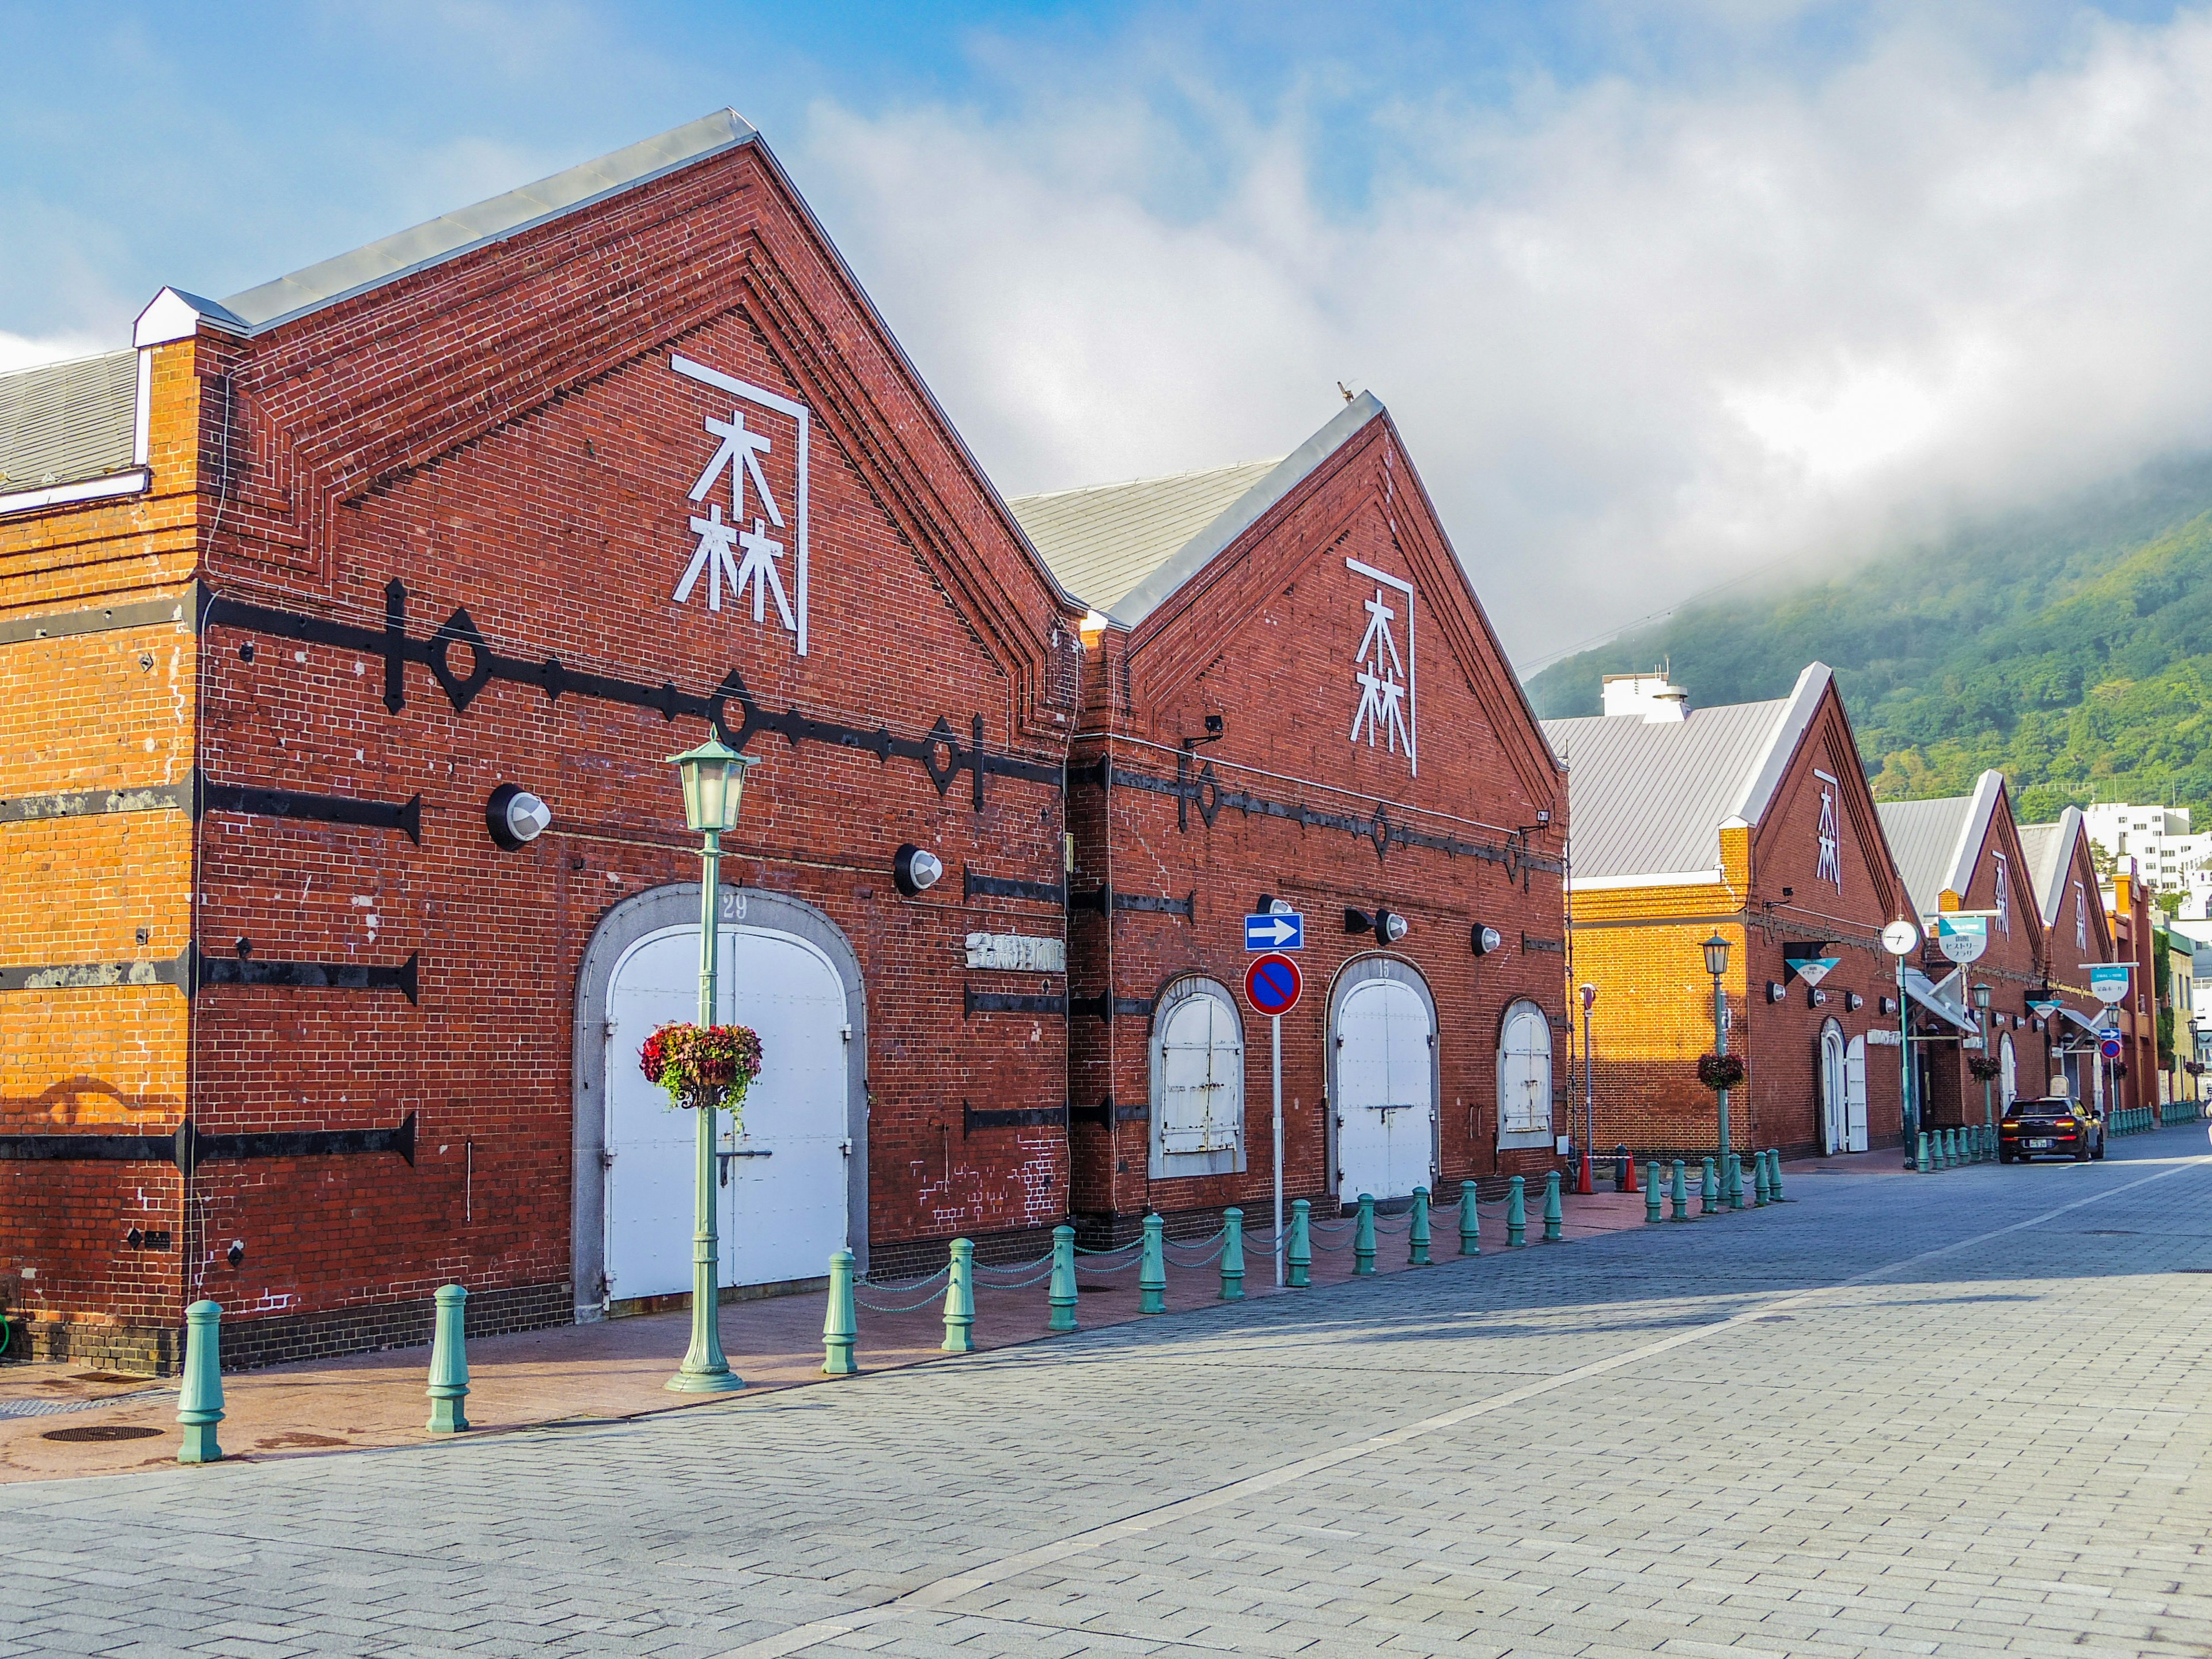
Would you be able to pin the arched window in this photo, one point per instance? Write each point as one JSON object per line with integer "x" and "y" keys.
{"x": 1524, "y": 1078}
{"x": 1198, "y": 1081}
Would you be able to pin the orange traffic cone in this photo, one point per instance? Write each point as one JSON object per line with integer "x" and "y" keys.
{"x": 1632, "y": 1187}
{"x": 1583, "y": 1186}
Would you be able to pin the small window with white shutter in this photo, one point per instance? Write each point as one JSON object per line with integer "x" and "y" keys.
{"x": 1198, "y": 1080}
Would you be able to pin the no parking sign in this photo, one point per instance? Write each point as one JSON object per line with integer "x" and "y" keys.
{"x": 2109, "y": 1046}
{"x": 1274, "y": 984}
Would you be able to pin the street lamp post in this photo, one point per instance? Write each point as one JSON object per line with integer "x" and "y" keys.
{"x": 1982, "y": 1018}
{"x": 714, "y": 777}
{"x": 1588, "y": 995}
{"x": 1716, "y": 956}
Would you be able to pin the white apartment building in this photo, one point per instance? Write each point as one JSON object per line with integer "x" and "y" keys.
{"x": 2171, "y": 858}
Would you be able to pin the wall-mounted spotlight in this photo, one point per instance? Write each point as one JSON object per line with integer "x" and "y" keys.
{"x": 915, "y": 869}
{"x": 515, "y": 817}
{"x": 1215, "y": 725}
{"x": 1387, "y": 925}
{"x": 1775, "y": 991}
{"x": 1889, "y": 1008}
{"x": 1268, "y": 905}
{"x": 1485, "y": 939}
{"x": 1853, "y": 1002}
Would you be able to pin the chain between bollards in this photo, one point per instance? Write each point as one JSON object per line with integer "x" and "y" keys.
{"x": 449, "y": 1363}
{"x": 1152, "y": 1267}
{"x": 1417, "y": 1236}
{"x": 1470, "y": 1221}
{"x": 1516, "y": 1211}
{"x": 960, "y": 1300}
{"x": 1232, "y": 1254}
{"x": 199, "y": 1402}
{"x": 1061, "y": 1294}
{"x": 1363, "y": 1237}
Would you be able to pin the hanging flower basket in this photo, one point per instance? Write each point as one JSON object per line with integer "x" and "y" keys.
{"x": 702, "y": 1065}
{"x": 1984, "y": 1069}
{"x": 1719, "y": 1071}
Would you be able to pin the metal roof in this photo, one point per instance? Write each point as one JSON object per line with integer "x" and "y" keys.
{"x": 2050, "y": 850}
{"x": 451, "y": 235}
{"x": 1124, "y": 548}
{"x": 1648, "y": 798}
{"x": 63, "y": 423}
{"x": 1923, "y": 839}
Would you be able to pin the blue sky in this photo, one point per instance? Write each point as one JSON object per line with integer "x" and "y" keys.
{"x": 1660, "y": 294}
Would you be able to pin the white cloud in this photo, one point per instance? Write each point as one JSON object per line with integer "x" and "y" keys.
{"x": 28, "y": 351}
{"x": 1640, "y": 338}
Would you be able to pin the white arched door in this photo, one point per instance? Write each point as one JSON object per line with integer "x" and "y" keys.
{"x": 781, "y": 1195}
{"x": 2008, "y": 1074}
{"x": 1835, "y": 1092}
{"x": 1855, "y": 1095}
{"x": 1524, "y": 1078}
{"x": 1386, "y": 1105}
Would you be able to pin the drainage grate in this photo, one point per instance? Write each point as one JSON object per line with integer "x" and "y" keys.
{"x": 57, "y": 1407}
{"x": 102, "y": 1432}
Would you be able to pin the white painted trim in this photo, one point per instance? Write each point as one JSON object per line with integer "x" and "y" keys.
{"x": 1789, "y": 732}
{"x": 85, "y": 490}
{"x": 173, "y": 314}
{"x": 142, "y": 414}
{"x": 1665, "y": 878}
{"x": 797, "y": 411}
{"x": 1973, "y": 833}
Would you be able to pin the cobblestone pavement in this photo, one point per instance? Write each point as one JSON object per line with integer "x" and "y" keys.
{"x": 1960, "y": 1413}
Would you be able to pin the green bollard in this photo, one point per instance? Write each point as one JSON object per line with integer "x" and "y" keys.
{"x": 449, "y": 1363}
{"x": 199, "y": 1403}
{"x": 1708, "y": 1187}
{"x": 1232, "y": 1254}
{"x": 1652, "y": 1196}
{"x": 1552, "y": 1216}
{"x": 840, "y": 1325}
{"x": 1732, "y": 1183}
{"x": 1417, "y": 1235}
{"x": 1774, "y": 1175}
{"x": 1153, "y": 1268}
{"x": 1678, "y": 1193}
{"x": 1761, "y": 1190}
{"x": 1470, "y": 1220}
{"x": 1516, "y": 1211}
{"x": 960, "y": 1300}
{"x": 1363, "y": 1237}
{"x": 1300, "y": 1257}
{"x": 1924, "y": 1163}
{"x": 1061, "y": 1294}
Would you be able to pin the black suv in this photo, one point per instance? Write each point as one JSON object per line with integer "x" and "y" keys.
{"x": 2051, "y": 1127}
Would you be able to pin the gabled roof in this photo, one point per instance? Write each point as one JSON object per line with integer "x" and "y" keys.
{"x": 63, "y": 423}
{"x": 1650, "y": 798}
{"x": 451, "y": 235}
{"x": 1122, "y": 548}
{"x": 1935, "y": 842}
{"x": 2049, "y": 849}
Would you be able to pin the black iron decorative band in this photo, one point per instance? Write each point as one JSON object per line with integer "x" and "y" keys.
{"x": 1008, "y": 1002}
{"x": 93, "y": 803}
{"x": 1015, "y": 1117}
{"x": 188, "y": 1148}
{"x": 1530, "y": 942}
{"x": 1103, "y": 897}
{"x": 940, "y": 753}
{"x": 310, "y": 975}
{"x": 405, "y": 815}
{"x": 1106, "y": 1007}
{"x": 974, "y": 886}
{"x": 62, "y": 625}
{"x": 1109, "y": 1111}
{"x": 94, "y": 976}
{"x": 1204, "y": 790}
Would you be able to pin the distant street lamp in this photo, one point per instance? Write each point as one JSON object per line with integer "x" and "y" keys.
{"x": 1988, "y": 1055}
{"x": 1716, "y": 956}
{"x": 714, "y": 777}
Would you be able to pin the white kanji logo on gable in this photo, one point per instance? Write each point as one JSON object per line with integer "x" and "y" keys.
{"x": 1386, "y": 714}
{"x": 740, "y": 548}
{"x": 1831, "y": 866}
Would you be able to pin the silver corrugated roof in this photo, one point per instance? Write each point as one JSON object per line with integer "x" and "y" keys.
{"x": 1103, "y": 540}
{"x": 1923, "y": 839}
{"x": 2050, "y": 850}
{"x": 1123, "y": 547}
{"x": 63, "y": 423}
{"x": 1648, "y": 798}
{"x": 451, "y": 234}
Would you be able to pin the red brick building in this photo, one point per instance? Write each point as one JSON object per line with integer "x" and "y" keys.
{"x": 2077, "y": 933}
{"x": 1752, "y": 823}
{"x": 1964, "y": 856}
{"x": 1290, "y": 692}
{"x": 532, "y": 495}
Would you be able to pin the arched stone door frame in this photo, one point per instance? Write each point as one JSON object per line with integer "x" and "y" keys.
{"x": 638, "y": 917}
{"x": 1348, "y": 978}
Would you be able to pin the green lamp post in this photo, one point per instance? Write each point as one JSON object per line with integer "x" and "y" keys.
{"x": 1989, "y": 1053}
{"x": 1716, "y": 956}
{"x": 714, "y": 777}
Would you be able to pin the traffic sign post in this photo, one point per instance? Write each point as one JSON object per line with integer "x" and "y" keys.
{"x": 1901, "y": 939}
{"x": 2109, "y": 1045}
{"x": 1272, "y": 985}
{"x": 1283, "y": 931}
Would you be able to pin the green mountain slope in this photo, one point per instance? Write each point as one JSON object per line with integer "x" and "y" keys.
{"x": 2070, "y": 647}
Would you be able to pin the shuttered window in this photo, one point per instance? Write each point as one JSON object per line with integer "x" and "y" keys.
{"x": 1524, "y": 1072}
{"x": 1201, "y": 1077}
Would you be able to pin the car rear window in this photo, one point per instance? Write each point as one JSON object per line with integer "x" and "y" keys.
{"x": 2041, "y": 1109}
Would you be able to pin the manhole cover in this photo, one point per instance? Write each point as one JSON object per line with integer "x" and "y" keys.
{"x": 102, "y": 1432}
{"x": 104, "y": 1377}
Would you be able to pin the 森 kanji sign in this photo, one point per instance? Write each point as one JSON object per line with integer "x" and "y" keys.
{"x": 1274, "y": 984}
{"x": 747, "y": 547}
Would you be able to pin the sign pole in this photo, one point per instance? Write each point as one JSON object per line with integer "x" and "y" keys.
{"x": 1911, "y": 1107}
{"x": 1275, "y": 1034}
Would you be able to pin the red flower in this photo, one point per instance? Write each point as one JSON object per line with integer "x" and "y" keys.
{"x": 702, "y": 1065}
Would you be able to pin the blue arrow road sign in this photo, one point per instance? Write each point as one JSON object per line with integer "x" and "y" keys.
{"x": 1279, "y": 932}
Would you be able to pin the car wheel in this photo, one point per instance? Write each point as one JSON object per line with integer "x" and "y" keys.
{"x": 2082, "y": 1151}
{"x": 2099, "y": 1154}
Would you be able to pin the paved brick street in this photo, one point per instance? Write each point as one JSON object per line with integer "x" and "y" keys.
{"x": 1949, "y": 1414}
